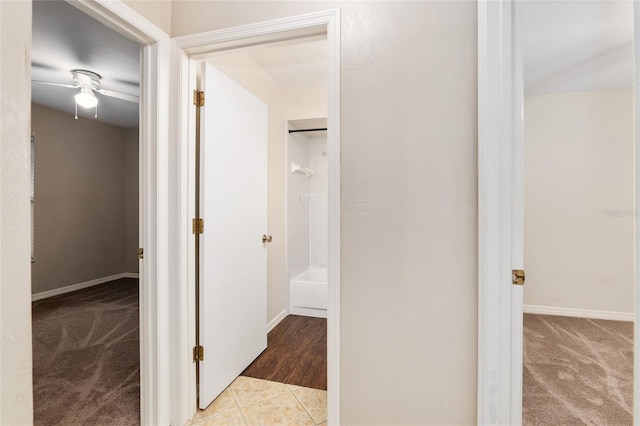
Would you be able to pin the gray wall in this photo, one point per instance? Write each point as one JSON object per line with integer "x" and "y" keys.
{"x": 81, "y": 172}
{"x": 131, "y": 210}
{"x": 409, "y": 201}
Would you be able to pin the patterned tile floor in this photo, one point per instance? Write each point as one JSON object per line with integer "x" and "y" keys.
{"x": 249, "y": 401}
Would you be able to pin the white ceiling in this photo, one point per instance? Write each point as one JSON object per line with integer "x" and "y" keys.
{"x": 64, "y": 38}
{"x": 577, "y": 45}
{"x": 298, "y": 65}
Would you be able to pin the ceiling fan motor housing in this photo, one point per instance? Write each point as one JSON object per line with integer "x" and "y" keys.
{"x": 85, "y": 78}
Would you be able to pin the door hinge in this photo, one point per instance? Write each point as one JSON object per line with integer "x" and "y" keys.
{"x": 140, "y": 253}
{"x": 517, "y": 277}
{"x": 197, "y": 226}
{"x": 198, "y": 98}
{"x": 198, "y": 353}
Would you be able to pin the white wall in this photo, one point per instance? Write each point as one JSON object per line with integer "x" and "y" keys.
{"x": 318, "y": 202}
{"x": 409, "y": 201}
{"x": 298, "y": 247}
{"x": 16, "y": 405}
{"x": 579, "y": 200}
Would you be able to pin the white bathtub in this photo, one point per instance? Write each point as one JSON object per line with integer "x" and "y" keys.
{"x": 308, "y": 293}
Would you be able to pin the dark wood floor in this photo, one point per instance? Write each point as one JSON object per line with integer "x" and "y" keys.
{"x": 296, "y": 353}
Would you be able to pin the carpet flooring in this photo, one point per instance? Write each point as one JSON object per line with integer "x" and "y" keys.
{"x": 577, "y": 371}
{"x": 296, "y": 353}
{"x": 86, "y": 362}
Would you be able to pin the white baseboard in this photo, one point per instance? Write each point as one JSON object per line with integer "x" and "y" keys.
{"x": 272, "y": 324}
{"x": 309, "y": 312}
{"x": 79, "y": 286}
{"x": 579, "y": 313}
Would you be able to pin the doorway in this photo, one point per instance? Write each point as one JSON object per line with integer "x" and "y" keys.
{"x": 246, "y": 243}
{"x": 85, "y": 215}
{"x": 309, "y": 25}
{"x": 501, "y": 203}
{"x": 578, "y": 212}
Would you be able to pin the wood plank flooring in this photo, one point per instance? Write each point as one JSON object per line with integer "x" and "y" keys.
{"x": 296, "y": 353}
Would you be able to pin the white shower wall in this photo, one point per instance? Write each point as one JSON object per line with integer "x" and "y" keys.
{"x": 298, "y": 247}
{"x": 307, "y": 203}
{"x": 318, "y": 212}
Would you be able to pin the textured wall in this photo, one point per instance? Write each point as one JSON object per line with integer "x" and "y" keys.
{"x": 579, "y": 200}
{"x": 79, "y": 199}
{"x": 16, "y": 406}
{"x": 409, "y": 201}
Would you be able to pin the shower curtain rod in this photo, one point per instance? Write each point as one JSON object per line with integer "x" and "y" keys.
{"x": 319, "y": 129}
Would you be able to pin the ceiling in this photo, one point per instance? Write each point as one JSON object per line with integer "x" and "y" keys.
{"x": 577, "y": 45}
{"x": 64, "y": 38}
{"x": 298, "y": 65}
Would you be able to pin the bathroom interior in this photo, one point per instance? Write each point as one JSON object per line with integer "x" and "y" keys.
{"x": 289, "y": 76}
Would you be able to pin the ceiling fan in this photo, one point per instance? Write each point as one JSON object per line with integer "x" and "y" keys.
{"x": 89, "y": 83}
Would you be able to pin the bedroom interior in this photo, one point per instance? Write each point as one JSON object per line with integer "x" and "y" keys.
{"x": 85, "y": 317}
{"x": 579, "y": 209}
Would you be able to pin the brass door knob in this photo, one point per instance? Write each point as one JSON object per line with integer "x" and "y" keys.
{"x": 266, "y": 239}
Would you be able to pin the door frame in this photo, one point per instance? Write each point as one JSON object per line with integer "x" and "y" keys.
{"x": 186, "y": 49}
{"x": 155, "y": 400}
{"x": 501, "y": 206}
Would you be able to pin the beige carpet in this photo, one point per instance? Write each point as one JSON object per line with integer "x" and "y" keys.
{"x": 577, "y": 371}
{"x": 86, "y": 362}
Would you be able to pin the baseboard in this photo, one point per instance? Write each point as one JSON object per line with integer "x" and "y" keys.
{"x": 309, "y": 312}
{"x": 579, "y": 313}
{"x": 272, "y": 324}
{"x": 79, "y": 286}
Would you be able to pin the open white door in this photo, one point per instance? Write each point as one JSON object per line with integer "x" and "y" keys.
{"x": 233, "y": 258}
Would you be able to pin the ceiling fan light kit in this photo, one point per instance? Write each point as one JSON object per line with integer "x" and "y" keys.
{"x": 89, "y": 83}
{"x": 86, "y": 98}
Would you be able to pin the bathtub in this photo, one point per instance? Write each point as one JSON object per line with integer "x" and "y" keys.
{"x": 308, "y": 293}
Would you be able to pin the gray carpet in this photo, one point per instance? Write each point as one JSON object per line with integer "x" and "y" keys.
{"x": 86, "y": 362}
{"x": 577, "y": 371}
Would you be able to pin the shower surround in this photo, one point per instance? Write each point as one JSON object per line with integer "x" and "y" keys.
{"x": 307, "y": 224}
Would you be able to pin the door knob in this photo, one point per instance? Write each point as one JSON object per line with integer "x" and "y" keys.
{"x": 266, "y": 239}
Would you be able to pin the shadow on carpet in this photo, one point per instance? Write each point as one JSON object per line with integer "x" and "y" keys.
{"x": 86, "y": 356}
{"x": 577, "y": 371}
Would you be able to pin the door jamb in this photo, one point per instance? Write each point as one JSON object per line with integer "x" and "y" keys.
{"x": 500, "y": 129}
{"x": 155, "y": 402}
{"x": 191, "y": 46}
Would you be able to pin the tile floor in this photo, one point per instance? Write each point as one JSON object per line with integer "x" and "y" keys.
{"x": 249, "y": 401}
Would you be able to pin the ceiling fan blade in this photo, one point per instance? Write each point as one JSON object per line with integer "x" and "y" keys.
{"x": 123, "y": 96}
{"x": 48, "y": 83}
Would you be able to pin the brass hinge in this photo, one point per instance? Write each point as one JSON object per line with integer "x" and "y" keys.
{"x": 140, "y": 253}
{"x": 197, "y": 226}
{"x": 198, "y": 98}
{"x": 517, "y": 277}
{"x": 198, "y": 353}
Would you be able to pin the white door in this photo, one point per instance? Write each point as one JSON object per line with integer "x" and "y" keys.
{"x": 233, "y": 258}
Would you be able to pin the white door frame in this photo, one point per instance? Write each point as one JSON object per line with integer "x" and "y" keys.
{"x": 500, "y": 208}
{"x": 186, "y": 49}
{"x": 155, "y": 400}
